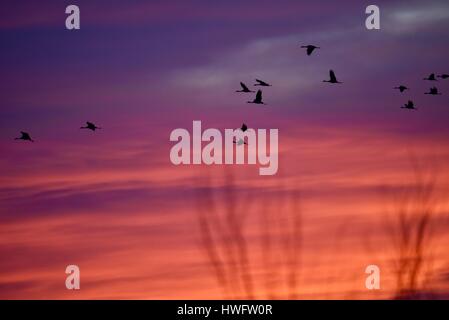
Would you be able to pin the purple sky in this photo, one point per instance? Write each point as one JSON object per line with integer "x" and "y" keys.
{"x": 149, "y": 58}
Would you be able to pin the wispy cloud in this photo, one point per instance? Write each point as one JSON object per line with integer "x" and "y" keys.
{"x": 409, "y": 18}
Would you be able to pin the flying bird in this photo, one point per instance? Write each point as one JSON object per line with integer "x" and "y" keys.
{"x": 431, "y": 77}
{"x": 25, "y": 136}
{"x": 240, "y": 142}
{"x": 244, "y": 88}
{"x": 409, "y": 105}
{"x": 262, "y": 83}
{"x": 333, "y": 78}
{"x": 90, "y": 126}
{"x": 401, "y": 88}
{"x": 433, "y": 91}
{"x": 310, "y": 48}
{"x": 443, "y": 76}
{"x": 258, "y": 99}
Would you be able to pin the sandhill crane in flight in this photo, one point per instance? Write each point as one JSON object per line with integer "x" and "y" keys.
{"x": 244, "y": 88}
{"x": 409, "y": 105}
{"x": 258, "y": 99}
{"x": 333, "y": 78}
{"x": 443, "y": 76}
{"x": 431, "y": 77}
{"x": 310, "y": 48}
{"x": 433, "y": 91}
{"x": 239, "y": 142}
{"x": 262, "y": 83}
{"x": 401, "y": 88}
{"x": 25, "y": 136}
{"x": 90, "y": 126}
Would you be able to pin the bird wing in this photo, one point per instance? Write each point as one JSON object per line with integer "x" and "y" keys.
{"x": 261, "y": 82}
{"x": 244, "y": 87}
{"x": 332, "y": 75}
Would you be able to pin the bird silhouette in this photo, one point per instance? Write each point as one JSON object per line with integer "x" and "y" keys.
{"x": 25, "y": 136}
{"x": 244, "y": 127}
{"x": 443, "y": 76}
{"x": 240, "y": 142}
{"x": 262, "y": 83}
{"x": 90, "y": 126}
{"x": 409, "y": 105}
{"x": 431, "y": 77}
{"x": 310, "y": 48}
{"x": 401, "y": 88}
{"x": 433, "y": 91}
{"x": 244, "y": 88}
{"x": 333, "y": 78}
{"x": 258, "y": 99}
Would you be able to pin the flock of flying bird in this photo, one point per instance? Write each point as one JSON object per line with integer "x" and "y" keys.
{"x": 432, "y": 91}
{"x": 27, "y": 137}
{"x": 333, "y": 79}
{"x": 258, "y": 99}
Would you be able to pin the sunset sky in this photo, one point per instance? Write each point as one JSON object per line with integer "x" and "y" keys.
{"x": 111, "y": 201}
